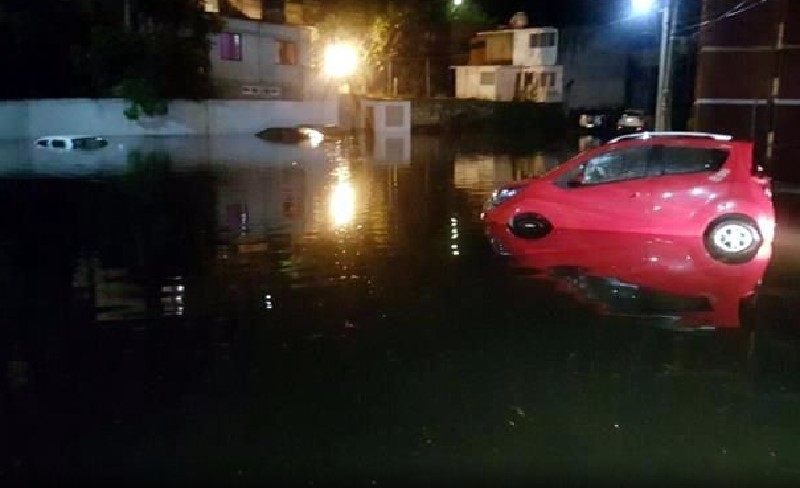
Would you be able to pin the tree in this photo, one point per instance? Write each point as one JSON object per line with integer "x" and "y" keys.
{"x": 403, "y": 32}
{"x": 158, "y": 52}
{"x": 67, "y": 48}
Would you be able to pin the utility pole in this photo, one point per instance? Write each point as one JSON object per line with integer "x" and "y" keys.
{"x": 127, "y": 15}
{"x": 428, "y": 77}
{"x": 664, "y": 97}
{"x": 775, "y": 80}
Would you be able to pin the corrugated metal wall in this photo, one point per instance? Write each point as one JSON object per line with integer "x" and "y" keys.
{"x": 748, "y": 81}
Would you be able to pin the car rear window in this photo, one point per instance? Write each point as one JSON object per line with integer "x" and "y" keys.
{"x": 680, "y": 160}
{"x": 89, "y": 143}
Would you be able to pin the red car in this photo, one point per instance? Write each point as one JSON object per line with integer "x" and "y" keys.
{"x": 672, "y": 279}
{"x": 667, "y": 183}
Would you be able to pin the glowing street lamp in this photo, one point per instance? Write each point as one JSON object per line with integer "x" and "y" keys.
{"x": 642, "y": 7}
{"x": 340, "y": 60}
{"x": 458, "y": 3}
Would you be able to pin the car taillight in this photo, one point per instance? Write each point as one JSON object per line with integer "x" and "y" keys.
{"x": 765, "y": 183}
{"x": 761, "y": 179}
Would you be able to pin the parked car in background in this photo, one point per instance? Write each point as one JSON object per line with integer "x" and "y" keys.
{"x": 593, "y": 121}
{"x": 68, "y": 143}
{"x": 632, "y": 121}
{"x": 685, "y": 184}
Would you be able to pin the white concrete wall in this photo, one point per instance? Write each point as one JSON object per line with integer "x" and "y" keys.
{"x": 525, "y": 55}
{"x": 245, "y": 116}
{"x": 552, "y": 94}
{"x": 507, "y": 83}
{"x": 35, "y": 118}
{"x": 83, "y": 116}
{"x": 468, "y": 82}
{"x": 13, "y": 120}
{"x": 380, "y": 122}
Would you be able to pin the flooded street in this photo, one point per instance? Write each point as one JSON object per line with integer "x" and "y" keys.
{"x": 233, "y": 311}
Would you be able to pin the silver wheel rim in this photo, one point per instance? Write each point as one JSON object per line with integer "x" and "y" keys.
{"x": 733, "y": 238}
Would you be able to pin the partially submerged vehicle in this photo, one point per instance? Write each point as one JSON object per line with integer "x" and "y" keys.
{"x": 292, "y": 135}
{"x": 71, "y": 142}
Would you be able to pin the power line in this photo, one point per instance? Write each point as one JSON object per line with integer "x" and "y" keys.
{"x": 739, "y": 9}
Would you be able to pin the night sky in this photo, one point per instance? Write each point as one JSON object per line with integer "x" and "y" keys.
{"x": 564, "y": 13}
{"x": 558, "y": 12}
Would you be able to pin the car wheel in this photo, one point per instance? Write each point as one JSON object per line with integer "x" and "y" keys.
{"x": 733, "y": 239}
{"x": 530, "y": 226}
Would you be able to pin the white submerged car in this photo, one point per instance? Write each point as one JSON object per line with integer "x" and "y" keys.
{"x": 69, "y": 143}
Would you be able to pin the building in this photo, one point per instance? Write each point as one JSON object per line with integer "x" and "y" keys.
{"x": 254, "y": 58}
{"x": 513, "y": 64}
{"x": 294, "y": 12}
{"x": 748, "y": 80}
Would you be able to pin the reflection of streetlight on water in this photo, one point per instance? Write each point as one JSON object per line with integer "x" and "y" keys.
{"x": 342, "y": 204}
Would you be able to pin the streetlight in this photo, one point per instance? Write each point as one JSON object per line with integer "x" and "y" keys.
{"x": 643, "y": 7}
{"x": 340, "y": 60}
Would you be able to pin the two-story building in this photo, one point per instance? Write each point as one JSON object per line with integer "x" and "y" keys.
{"x": 263, "y": 51}
{"x": 513, "y": 64}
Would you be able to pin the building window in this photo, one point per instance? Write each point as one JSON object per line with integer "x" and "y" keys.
{"x": 487, "y": 78}
{"x": 230, "y": 46}
{"x": 287, "y": 53}
{"x": 543, "y": 39}
{"x": 211, "y": 6}
{"x": 394, "y": 116}
{"x": 547, "y": 79}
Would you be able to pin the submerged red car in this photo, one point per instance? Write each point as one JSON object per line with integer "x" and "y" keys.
{"x": 667, "y": 183}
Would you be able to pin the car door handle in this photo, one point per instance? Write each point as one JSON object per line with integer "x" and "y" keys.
{"x": 636, "y": 194}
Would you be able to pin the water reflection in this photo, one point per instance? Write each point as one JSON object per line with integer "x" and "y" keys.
{"x": 313, "y": 315}
{"x": 342, "y": 198}
{"x": 671, "y": 279}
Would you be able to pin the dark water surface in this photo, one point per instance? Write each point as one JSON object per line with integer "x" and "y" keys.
{"x": 203, "y": 311}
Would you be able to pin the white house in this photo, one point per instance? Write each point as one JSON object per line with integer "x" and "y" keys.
{"x": 513, "y": 64}
{"x": 254, "y": 59}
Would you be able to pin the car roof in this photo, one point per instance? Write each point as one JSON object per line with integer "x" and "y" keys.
{"x": 72, "y": 136}
{"x": 672, "y": 135}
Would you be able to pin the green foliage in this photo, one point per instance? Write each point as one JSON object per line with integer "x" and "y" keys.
{"x": 469, "y": 12}
{"x": 161, "y": 55}
{"x": 392, "y": 30}
{"x": 143, "y": 98}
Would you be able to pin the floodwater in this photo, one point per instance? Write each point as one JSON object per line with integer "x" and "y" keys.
{"x": 231, "y": 311}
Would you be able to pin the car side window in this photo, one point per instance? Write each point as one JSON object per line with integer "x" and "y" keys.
{"x": 58, "y": 143}
{"x": 683, "y": 160}
{"x": 42, "y": 143}
{"x": 621, "y": 165}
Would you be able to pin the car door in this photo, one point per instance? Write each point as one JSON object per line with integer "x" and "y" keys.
{"x": 687, "y": 179}
{"x": 605, "y": 193}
